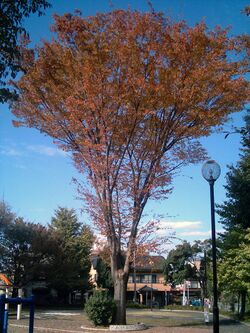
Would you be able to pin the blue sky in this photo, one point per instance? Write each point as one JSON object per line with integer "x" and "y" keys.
{"x": 35, "y": 177}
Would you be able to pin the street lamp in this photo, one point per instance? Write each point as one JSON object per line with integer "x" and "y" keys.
{"x": 211, "y": 172}
{"x": 134, "y": 277}
{"x": 151, "y": 291}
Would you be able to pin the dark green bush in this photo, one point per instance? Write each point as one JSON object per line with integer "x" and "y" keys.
{"x": 100, "y": 308}
{"x": 132, "y": 305}
{"x": 183, "y": 307}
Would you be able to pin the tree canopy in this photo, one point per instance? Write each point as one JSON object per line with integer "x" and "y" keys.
{"x": 26, "y": 248}
{"x": 235, "y": 217}
{"x": 71, "y": 261}
{"x": 12, "y": 14}
{"x": 129, "y": 94}
{"x": 234, "y": 269}
{"x": 104, "y": 279}
{"x": 57, "y": 255}
{"x": 189, "y": 262}
{"x": 235, "y": 211}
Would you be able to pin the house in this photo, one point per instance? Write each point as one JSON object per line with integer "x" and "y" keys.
{"x": 146, "y": 283}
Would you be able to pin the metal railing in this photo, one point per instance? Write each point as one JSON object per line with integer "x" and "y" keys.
{"x": 4, "y": 312}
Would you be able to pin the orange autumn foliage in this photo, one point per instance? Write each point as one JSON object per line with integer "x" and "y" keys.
{"x": 128, "y": 94}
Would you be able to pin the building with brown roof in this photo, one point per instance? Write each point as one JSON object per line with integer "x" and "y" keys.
{"x": 146, "y": 283}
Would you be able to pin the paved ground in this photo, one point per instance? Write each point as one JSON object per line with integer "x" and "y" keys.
{"x": 158, "y": 322}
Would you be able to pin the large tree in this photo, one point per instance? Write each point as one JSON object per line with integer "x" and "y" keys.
{"x": 234, "y": 271}
{"x": 26, "y": 249}
{"x": 12, "y": 14}
{"x": 235, "y": 217}
{"x": 6, "y": 217}
{"x": 59, "y": 255}
{"x": 129, "y": 94}
{"x": 189, "y": 262}
{"x": 235, "y": 211}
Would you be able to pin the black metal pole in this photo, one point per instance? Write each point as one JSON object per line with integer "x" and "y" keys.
{"x": 151, "y": 305}
{"x": 32, "y": 314}
{"x": 134, "y": 277}
{"x": 215, "y": 292}
{"x": 2, "y": 305}
{"x": 205, "y": 276}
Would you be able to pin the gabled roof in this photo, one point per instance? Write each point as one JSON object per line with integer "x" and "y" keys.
{"x": 5, "y": 279}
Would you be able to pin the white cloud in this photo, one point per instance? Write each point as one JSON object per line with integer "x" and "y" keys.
{"x": 39, "y": 149}
{"x": 20, "y": 166}
{"x": 181, "y": 224}
{"x": 46, "y": 150}
{"x": 188, "y": 230}
{"x": 10, "y": 152}
{"x": 195, "y": 233}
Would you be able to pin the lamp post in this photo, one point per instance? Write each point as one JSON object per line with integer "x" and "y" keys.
{"x": 134, "y": 277}
{"x": 151, "y": 281}
{"x": 211, "y": 172}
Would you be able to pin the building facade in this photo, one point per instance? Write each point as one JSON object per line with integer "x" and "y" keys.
{"x": 147, "y": 284}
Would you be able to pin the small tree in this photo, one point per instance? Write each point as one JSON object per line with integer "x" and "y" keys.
{"x": 129, "y": 94}
{"x": 104, "y": 278}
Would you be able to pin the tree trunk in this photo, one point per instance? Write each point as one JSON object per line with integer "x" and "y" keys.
{"x": 243, "y": 304}
{"x": 120, "y": 288}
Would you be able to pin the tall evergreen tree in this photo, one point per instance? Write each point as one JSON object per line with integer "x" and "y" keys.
{"x": 235, "y": 217}
{"x": 235, "y": 211}
{"x": 234, "y": 271}
{"x": 71, "y": 262}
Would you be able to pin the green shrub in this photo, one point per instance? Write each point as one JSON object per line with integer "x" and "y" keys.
{"x": 132, "y": 305}
{"x": 100, "y": 308}
{"x": 183, "y": 307}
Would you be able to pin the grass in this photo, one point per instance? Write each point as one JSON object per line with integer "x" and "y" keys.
{"x": 164, "y": 319}
{"x": 150, "y": 318}
{"x": 72, "y": 320}
{"x": 236, "y": 316}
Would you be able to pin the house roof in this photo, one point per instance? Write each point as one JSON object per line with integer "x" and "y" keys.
{"x": 5, "y": 280}
{"x": 148, "y": 263}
